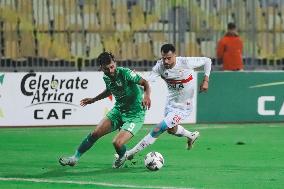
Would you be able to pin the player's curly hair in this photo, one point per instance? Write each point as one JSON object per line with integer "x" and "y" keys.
{"x": 105, "y": 58}
{"x": 168, "y": 47}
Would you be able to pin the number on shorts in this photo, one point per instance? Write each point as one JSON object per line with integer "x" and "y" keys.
{"x": 131, "y": 127}
{"x": 176, "y": 119}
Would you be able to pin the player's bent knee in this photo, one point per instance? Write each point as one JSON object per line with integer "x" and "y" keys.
{"x": 171, "y": 130}
{"x": 95, "y": 135}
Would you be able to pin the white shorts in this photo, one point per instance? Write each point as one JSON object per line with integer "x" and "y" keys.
{"x": 173, "y": 116}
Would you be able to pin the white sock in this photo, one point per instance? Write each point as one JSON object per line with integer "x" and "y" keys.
{"x": 146, "y": 141}
{"x": 181, "y": 131}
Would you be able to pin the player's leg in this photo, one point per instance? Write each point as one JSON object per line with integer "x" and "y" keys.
{"x": 103, "y": 128}
{"x": 107, "y": 125}
{"x": 174, "y": 117}
{"x": 119, "y": 144}
{"x": 133, "y": 123}
{"x": 180, "y": 131}
{"x": 148, "y": 139}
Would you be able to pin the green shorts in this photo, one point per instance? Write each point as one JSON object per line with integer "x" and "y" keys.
{"x": 131, "y": 122}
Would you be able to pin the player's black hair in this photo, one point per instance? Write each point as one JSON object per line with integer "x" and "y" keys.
{"x": 105, "y": 58}
{"x": 168, "y": 47}
{"x": 231, "y": 26}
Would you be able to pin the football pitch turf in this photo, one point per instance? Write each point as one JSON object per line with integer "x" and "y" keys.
{"x": 226, "y": 156}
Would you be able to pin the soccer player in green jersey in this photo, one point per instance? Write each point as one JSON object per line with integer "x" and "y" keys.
{"x": 127, "y": 115}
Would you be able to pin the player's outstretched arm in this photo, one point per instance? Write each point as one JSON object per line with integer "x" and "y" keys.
{"x": 102, "y": 95}
{"x": 195, "y": 62}
{"x": 146, "y": 100}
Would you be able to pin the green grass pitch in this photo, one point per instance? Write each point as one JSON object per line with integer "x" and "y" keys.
{"x": 226, "y": 156}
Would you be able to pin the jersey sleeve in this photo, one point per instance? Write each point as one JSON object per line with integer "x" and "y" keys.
{"x": 154, "y": 74}
{"x": 195, "y": 62}
{"x": 106, "y": 82}
{"x": 132, "y": 76}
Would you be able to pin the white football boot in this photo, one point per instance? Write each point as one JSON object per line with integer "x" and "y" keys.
{"x": 71, "y": 161}
{"x": 118, "y": 162}
{"x": 192, "y": 139}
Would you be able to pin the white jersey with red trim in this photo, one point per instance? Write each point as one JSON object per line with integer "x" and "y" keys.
{"x": 180, "y": 79}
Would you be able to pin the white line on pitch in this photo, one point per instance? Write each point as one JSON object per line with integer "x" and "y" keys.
{"x": 85, "y": 183}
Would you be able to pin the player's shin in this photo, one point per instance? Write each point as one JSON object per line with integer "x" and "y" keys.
{"x": 148, "y": 139}
{"x": 181, "y": 131}
{"x": 86, "y": 144}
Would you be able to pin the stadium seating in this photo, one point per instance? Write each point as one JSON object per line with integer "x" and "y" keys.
{"x": 122, "y": 21}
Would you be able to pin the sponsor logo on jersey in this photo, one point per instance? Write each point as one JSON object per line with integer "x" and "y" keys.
{"x": 118, "y": 83}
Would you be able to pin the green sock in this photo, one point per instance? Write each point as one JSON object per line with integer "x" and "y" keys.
{"x": 121, "y": 151}
{"x": 86, "y": 144}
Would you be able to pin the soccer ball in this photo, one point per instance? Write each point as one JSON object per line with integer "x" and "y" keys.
{"x": 154, "y": 161}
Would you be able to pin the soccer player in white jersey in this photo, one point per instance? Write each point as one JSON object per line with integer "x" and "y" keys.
{"x": 177, "y": 72}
